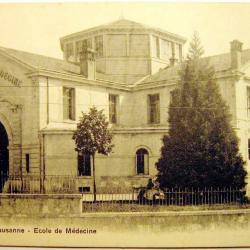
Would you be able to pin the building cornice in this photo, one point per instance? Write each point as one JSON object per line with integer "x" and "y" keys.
{"x": 162, "y": 83}
{"x": 78, "y": 79}
{"x": 144, "y": 130}
{"x": 125, "y": 30}
{"x": 124, "y": 87}
{"x": 155, "y": 84}
{"x": 106, "y": 30}
{"x": 236, "y": 74}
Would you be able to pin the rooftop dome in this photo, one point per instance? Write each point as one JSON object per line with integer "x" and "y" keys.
{"x": 124, "y": 24}
{"x": 125, "y": 51}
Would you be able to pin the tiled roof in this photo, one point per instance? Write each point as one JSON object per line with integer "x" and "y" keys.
{"x": 42, "y": 62}
{"x": 48, "y": 63}
{"x": 219, "y": 62}
{"x": 124, "y": 23}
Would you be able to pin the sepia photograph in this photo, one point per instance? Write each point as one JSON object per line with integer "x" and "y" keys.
{"x": 125, "y": 125}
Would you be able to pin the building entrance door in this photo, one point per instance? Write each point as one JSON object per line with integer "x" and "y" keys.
{"x": 4, "y": 156}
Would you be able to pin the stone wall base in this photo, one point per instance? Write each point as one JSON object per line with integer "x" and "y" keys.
{"x": 40, "y": 205}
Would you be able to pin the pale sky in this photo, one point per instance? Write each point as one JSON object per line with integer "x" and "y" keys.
{"x": 37, "y": 27}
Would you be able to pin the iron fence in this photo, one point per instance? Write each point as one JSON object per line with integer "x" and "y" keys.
{"x": 70, "y": 184}
{"x": 33, "y": 184}
{"x": 146, "y": 199}
{"x": 204, "y": 196}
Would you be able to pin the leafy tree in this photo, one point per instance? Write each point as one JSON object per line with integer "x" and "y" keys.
{"x": 201, "y": 149}
{"x": 93, "y": 136}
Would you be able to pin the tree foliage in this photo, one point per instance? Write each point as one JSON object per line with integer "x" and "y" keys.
{"x": 92, "y": 134}
{"x": 201, "y": 149}
{"x": 195, "y": 48}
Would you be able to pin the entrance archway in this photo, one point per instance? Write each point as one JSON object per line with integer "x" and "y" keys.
{"x": 4, "y": 156}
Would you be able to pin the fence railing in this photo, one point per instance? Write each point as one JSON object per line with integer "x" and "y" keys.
{"x": 33, "y": 184}
{"x": 176, "y": 197}
{"x": 204, "y": 196}
{"x": 69, "y": 184}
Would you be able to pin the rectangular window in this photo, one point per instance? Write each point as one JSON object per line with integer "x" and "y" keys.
{"x": 99, "y": 46}
{"x": 177, "y": 51}
{"x": 180, "y": 52}
{"x": 138, "y": 45}
{"x": 248, "y": 102}
{"x": 27, "y": 162}
{"x": 117, "y": 45}
{"x": 156, "y": 47}
{"x": 84, "y": 189}
{"x": 69, "y": 50}
{"x": 84, "y": 165}
{"x": 87, "y": 43}
{"x": 113, "y": 108}
{"x": 68, "y": 103}
{"x": 154, "y": 108}
{"x": 165, "y": 49}
{"x": 79, "y": 46}
{"x": 82, "y": 45}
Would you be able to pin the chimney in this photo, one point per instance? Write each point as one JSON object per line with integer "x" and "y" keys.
{"x": 88, "y": 63}
{"x": 236, "y": 49}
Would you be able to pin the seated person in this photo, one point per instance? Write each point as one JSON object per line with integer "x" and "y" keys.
{"x": 150, "y": 184}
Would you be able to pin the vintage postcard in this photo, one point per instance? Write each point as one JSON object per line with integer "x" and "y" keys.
{"x": 125, "y": 125}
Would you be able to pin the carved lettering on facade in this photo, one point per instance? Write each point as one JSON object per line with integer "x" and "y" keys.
{"x": 10, "y": 78}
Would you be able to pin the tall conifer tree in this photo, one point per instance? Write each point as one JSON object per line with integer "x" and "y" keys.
{"x": 201, "y": 148}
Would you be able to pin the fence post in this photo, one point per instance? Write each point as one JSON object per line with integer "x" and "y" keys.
{"x": 204, "y": 196}
{"x": 192, "y": 196}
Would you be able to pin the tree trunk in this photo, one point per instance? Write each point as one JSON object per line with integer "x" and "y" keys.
{"x": 94, "y": 181}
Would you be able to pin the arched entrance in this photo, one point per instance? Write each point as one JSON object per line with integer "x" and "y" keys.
{"x": 4, "y": 156}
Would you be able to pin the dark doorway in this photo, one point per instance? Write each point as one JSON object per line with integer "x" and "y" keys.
{"x": 4, "y": 156}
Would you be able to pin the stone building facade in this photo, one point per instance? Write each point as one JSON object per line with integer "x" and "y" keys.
{"x": 125, "y": 68}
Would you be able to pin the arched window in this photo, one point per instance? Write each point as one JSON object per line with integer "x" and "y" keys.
{"x": 142, "y": 161}
{"x": 84, "y": 164}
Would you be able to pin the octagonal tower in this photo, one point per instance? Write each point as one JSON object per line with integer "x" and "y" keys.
{"x": 126, "y": 51}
